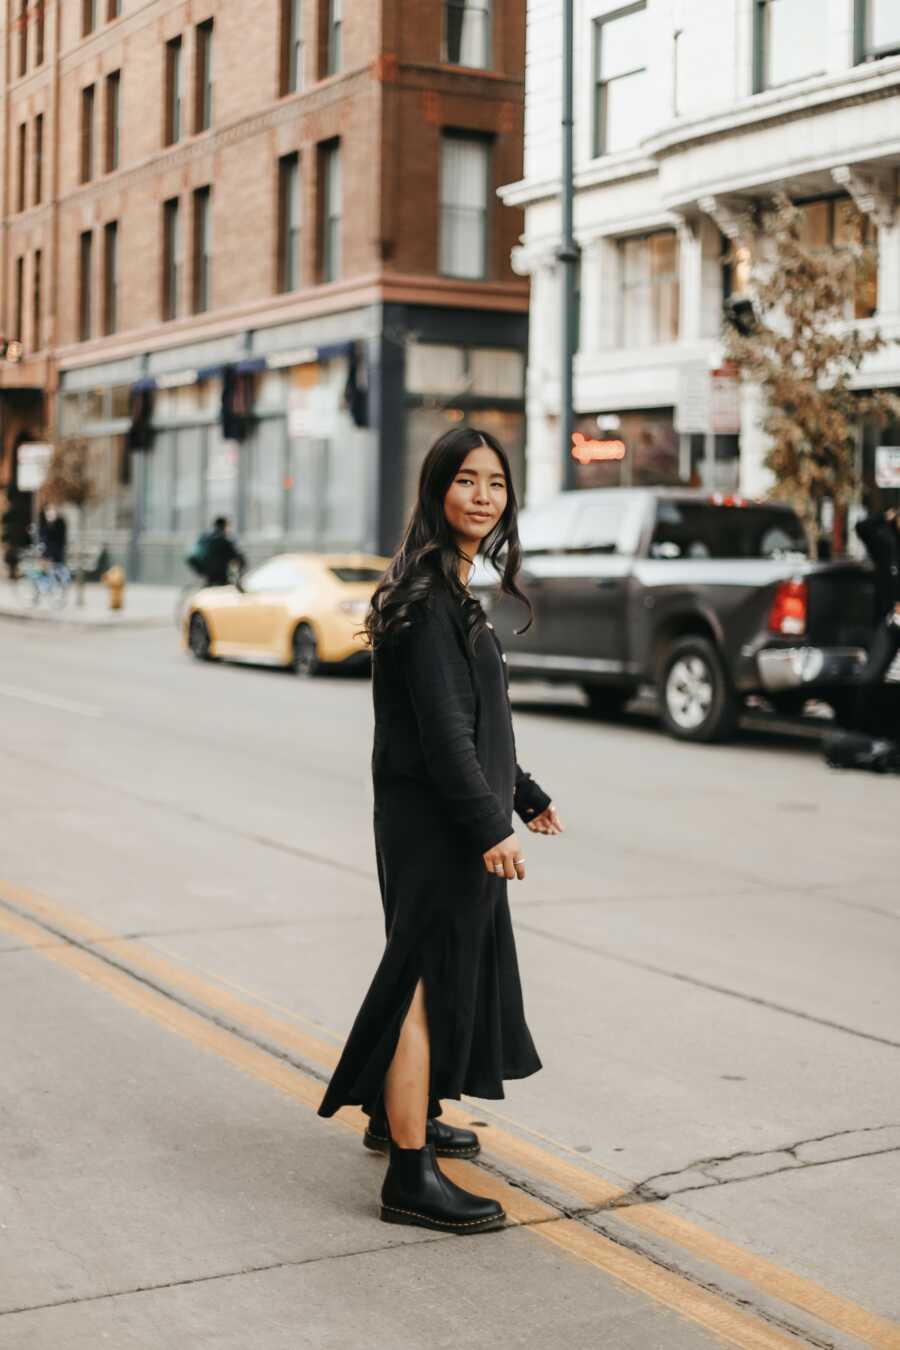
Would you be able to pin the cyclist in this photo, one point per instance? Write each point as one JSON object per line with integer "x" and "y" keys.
{"x": 214, "y": 553}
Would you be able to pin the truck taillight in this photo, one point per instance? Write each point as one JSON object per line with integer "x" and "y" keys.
{"x": 788, "y": 613}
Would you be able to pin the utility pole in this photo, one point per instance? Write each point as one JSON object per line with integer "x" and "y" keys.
{"x": 567, "y": 253}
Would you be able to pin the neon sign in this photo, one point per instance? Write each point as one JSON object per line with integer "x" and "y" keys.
{"x": 592, "y": 452}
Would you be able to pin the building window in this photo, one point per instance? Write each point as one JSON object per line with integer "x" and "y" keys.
{"x": 330, "y": 180}
{"x": 173, "y": 91}
{"x": 22, "y": 25}
{"x": 20, "y": 297}
{"x": 88, "y": 16}
{"x": 787, "y": 46}
{"x": 622, "y": 102}
{"x": 335, "y": 21}
{"x": 465, "y": 163}
{"x": 467, "y": 33}
{"x": 289, "y": 222}
{"x": 649, "y": 289}
{"x": 113, "y": 92}
{"x": 110, "y": 276}
{"x": 203, "y": 88}
{"x": 39, "y": 21}
{"x": 171, "y": 257}
{"x": 85, "y": 270}
{"x": 87, "y": 133}
{"x": 36, "y": 300}
{"x": 113, "y": 9}
{"x": 291, "y": 46}
{"x": 20, "y": 168}
{"x": 38, "y": 159}
{"x": 877, "y": 29}
{"x": 202, "y": 248}
{"x": 835, "y": 225}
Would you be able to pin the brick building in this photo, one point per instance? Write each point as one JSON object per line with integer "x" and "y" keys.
{"x": 298, "y": 210}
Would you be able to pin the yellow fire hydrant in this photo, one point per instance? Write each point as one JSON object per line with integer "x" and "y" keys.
{"x": 115, "y": 584}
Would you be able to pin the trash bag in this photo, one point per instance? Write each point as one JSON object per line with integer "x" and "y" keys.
{"x": 858, "y": 750}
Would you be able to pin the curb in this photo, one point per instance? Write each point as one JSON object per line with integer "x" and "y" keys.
{"x": 95, "y": 625}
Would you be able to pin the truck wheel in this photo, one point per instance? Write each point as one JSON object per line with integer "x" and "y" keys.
{"x": 606, "y": 701}
{"x": 697, "y": 700}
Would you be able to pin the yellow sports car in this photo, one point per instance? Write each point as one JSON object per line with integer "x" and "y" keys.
{"x": 300, "y": 610}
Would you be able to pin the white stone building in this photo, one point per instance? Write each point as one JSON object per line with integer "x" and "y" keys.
{"x": 686, "y": 110}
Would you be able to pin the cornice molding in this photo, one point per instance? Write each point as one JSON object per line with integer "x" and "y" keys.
{"x": 874, "y": 191}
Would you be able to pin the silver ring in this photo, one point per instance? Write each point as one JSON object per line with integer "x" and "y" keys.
{"x": 518, "y": 860}
{"x": 499, "y": 868}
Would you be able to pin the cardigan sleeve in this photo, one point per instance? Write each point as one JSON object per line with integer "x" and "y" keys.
{"x": 530, "y": 798}
{"x": 440, "y": 687}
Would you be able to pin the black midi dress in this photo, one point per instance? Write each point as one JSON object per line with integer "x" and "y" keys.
{"x": 446, "y": 783}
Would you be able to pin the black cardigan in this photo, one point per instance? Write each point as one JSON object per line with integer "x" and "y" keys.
{"x": 430, "y": 670}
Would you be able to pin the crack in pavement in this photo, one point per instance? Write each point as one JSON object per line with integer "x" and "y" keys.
{"x": 649, "y": 1191}
{"x": 757, "y": 999}
{"x": 217, "y": 1275}
{"x": 559, "y": 1211}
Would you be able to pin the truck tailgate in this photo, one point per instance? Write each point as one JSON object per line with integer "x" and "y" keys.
{"x": 841, "y": 610}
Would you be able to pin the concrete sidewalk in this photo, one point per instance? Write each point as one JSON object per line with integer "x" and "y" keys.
{"x": 145, "y": 607}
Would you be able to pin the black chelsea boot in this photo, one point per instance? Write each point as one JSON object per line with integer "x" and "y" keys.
{"x": 416, "y": 1192}
{"x": 449, "y": 1141}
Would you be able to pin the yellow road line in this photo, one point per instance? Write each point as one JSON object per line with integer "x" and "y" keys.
{"x": 709, "y": 1311}
{"x": 250, "y": 1059}
{"x": 587, "y": 1187}
{"x": 715, "y": 1314}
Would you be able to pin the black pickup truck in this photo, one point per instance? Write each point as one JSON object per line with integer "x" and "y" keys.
{"x": 709, "y": 599}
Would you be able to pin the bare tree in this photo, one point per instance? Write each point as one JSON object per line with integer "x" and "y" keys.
{"x": 69, "y": 483}
{"x": 797, "y": 344}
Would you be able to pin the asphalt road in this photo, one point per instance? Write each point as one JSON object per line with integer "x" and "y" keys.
{"x": 189, "y": 917}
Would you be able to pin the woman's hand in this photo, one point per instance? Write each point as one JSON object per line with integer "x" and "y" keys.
{"x": 505, "y": 860}
{"x": 548, "y": 822}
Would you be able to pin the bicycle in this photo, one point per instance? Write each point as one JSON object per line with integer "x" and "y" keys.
{"x": 39, "y": 579}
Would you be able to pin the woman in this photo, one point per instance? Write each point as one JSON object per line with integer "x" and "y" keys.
{"x": 444, "y": 1012}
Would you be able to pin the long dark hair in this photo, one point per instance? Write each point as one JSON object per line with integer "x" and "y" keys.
{"x": 429, "y": 554}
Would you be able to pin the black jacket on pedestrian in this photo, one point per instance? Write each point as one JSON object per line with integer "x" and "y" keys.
{"x": 446, "y": 783}
{"x": 219, "y": 554}
{"x": 52, "y": 535}
{"x": 882, "y": 542}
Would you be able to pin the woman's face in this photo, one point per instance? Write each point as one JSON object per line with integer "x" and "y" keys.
{"x": 476, "y": 499}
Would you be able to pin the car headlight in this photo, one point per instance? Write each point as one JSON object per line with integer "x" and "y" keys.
{"x": 357, "y": 608}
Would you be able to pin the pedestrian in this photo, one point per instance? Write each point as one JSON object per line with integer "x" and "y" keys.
{"x": 444, "y": 1013}
{"x": 880, "y": 533}
{"x": 214, "y": 554}
{"x": 52, "y": 536}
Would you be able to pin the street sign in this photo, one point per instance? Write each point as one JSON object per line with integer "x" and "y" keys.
{"x": 708, "y": 401}
{"x": 725, "y": 402}
{"x": 34, "y": 461}
{"x": 887, "y": 466}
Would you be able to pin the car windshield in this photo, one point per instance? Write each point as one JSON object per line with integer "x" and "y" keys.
{"x": 576, "y": 522}
{"x": 355, "y": 574}
{"x": 690, "y": 529}
{"x": 279, "y": 574}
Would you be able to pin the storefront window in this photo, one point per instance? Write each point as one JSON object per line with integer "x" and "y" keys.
{"x": 222, "y": 459}
{"x": 157, "y": 490}
{"x": 189, "y": 476}
{"x": 435, "y": 368}
{"x": 306, "y": 479}
{"x": 651, "y": 451}
{"x": 264, "y": 482}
